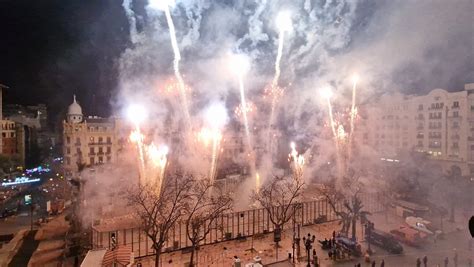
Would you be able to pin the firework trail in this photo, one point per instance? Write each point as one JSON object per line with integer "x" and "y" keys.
{"x": 355, "y": 79}
{"x": 240, "y": 65}
{"x": 157, "y": 156}
{"x": 207, "y": 136}
{"x": 327, "y": 94}
{"x": 177, "y": 58}
{"x": 298, "y": 162}
{"x": 284, "y": 25}
{"x": 215, "y": 151}
{"x": 257, "y": 183}
{"x": 137, "y": 137}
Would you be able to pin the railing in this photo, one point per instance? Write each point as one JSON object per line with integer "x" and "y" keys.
{"x": 232, "y": 226}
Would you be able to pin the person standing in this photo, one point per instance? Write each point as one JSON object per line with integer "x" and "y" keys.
{"x": 382, "y": 264}
{"x": 373, "y": 263}
{"x": 446, "y": 262}
{"x": 425, "y": 261}
{"x": 237, "y": 262}
{"x": 455, "y": 258}
{"x": 418, "y": 262}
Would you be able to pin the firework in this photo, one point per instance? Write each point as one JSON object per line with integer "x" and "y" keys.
{"x": 136, "y": 114}
{"x": 298, "y": 162}
{"x": 283, "y": 22}
{"x": 327, "y": 94}
{"x": 207, "y": 136}
{"x": 240, "y": 66}
{"x": 137, "y": 137}
{"x": 165, "y": 6}
{"x": 216, "y": 118}
{"x": 158, "y": 157}
{"x": 172, "y": 88}
{"x": 250, "y": 109}
{"x": 355, "y": 79}
{"x": 257, "y": 183}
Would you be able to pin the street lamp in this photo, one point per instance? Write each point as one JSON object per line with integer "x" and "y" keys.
{"x": 308, "y": 245}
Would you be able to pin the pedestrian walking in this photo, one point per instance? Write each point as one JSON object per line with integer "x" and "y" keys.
{"x": 425, "y": 261}
{"x": 418, "y": 262}
{"x": 373, "y": 263}
{"x": 382, "y": 264}
{"x": 358, "y": 264}
{"x": 446, "y": 262}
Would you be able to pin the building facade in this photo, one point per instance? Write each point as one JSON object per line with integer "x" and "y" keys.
{"x": 9, "y": 138}
{"x": 90, "y": 140}
{"x": 440, "y": 124}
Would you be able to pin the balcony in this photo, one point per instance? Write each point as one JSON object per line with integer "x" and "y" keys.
{"x": 470, "y": 138}
{"x": 420, "y": 136}
{"x": 91, "y": 154}
{"x": 77, "y": 144}
{"x": 435, "y": 137}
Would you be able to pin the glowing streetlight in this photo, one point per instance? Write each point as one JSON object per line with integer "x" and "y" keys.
{"x": 283, "y": 21}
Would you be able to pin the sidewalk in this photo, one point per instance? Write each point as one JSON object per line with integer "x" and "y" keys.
{"x": 222, "y": 254}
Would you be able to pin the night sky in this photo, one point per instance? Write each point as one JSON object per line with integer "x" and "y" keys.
{"x": 51, "y": 49}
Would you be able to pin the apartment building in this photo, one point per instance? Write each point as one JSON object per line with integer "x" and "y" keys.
{"x": 440, "y": 124}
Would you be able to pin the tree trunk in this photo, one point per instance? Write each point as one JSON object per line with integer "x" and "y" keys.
{"x": 451, "y": 215}
{"x": 191, "y": 261}
{"x": 157, "y": 258}
{"x": 354, "y": 224}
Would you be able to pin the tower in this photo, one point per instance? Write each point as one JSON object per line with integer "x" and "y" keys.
{"x": 74, "y": 114}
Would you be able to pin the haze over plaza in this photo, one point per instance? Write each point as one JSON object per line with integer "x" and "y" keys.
{"x": 199, "y": 126}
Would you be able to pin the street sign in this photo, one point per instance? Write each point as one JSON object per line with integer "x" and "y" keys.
{"x": 27, "y": 199}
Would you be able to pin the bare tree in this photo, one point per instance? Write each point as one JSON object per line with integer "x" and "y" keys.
{"x": 158, "y": 213}
{"x": 348, "y": 196}
{"x": 277, "y": 198}
{"x": 356, "y": 212}
{"x": 333, "y": 197}
{"x": 204, "y": 205}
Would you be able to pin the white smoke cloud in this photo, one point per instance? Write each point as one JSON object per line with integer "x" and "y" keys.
{"x": 391, "y": 44}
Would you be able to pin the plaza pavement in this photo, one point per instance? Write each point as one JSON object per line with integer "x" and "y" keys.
{"x": 222, "y": 254}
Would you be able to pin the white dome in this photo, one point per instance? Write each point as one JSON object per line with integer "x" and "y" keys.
{"x": 74, "y": 108}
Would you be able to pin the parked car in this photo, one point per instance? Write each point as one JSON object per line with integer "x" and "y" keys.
{"x": 385, "y": 241}
{"x": 409, "y": 236}
{"x": 7, "y": 213}
{"x": 349, "y": 244}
